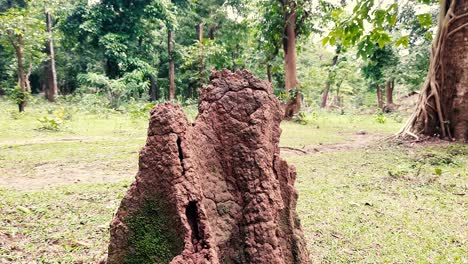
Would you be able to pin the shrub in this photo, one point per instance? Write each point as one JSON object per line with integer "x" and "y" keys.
{"x": 18, "y": 96}
{"x": 47, "y": 123}
{"x": 117, "y": 91}
{"x": 380, "y": 118}
{"x": 304, "y": 119}
{"x": 54, "y": 123}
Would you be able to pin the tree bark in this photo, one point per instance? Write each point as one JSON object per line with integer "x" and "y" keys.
{"x": 290, "y": 56}
{"x": 153, "y": 91}
{"x": 325, "y": 92}
{"x": 51, "y": 73}
{"x": 28, "y": 83}
{"x": 170, "y": 47}
{"x": 389, "y": 87}
{"x": 21, "y": 76}
{"x": 389, "y": 92}
{"x": 289, "y": 46}
{"x": 442, "y": 108}
{"x": 270, "y": 79}
{"x": 379, "y": 97}
{"x": 211, "y": 32}
{"x": 201, "y": 56}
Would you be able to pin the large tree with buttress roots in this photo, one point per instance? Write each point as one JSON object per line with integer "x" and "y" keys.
{"x": 442, "y": 108}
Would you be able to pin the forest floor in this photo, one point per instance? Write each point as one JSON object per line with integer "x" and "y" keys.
{"x": 361, "y": 198}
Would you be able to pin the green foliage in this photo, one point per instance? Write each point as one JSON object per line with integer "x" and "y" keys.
{"x": 17, "y": 95}
{"x": 50, "y": 123}
{"x": 22, "y": 29}
{"x": 55, "y": 119}
{"x": 287, "y": 96}
{"x": 117, "y": 91}
{"x": 305, "y": 118}
{"x": 414, "y": 66}
{"x": 140, "y": 111}
{"x": 380, "y": 63}
{"x": 108, "y": 51}
{"x": 353, "y": 29}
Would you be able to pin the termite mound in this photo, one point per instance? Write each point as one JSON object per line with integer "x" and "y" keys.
{"x": 215, "y": 191}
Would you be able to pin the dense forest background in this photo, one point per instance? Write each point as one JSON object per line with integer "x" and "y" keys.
{"x": 115, "y": 52}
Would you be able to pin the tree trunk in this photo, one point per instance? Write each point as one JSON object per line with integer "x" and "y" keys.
{"x": 170, "y": 47}
{"x": 325, "y": 92}
{"x": 270, "y": 79}
{"x": 389, "y": 93}
{"x": 389, "y": 87}
{"x": 153, "y": 91}
{"x": 28, "y": 83}
{"x": 211, "y": 32}
{"x": 289, "y": 47}
{"x": 21, "y": 76}
{"x": 379, "y": 97}
{"x": 201, "y": 59}
{"x": 51, "y": 74}
{"x": 442, "y": 109}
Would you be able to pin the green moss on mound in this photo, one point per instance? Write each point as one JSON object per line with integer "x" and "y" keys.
{"x": 153, "y": 235}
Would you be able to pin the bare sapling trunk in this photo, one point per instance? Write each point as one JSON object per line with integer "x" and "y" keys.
{"x": 51, "y": 74}
{"x": 442, "y": 108}
{"x": 170, "y": 47}
{"x": 22, "y": 78}
{"x": 379, "y": 97}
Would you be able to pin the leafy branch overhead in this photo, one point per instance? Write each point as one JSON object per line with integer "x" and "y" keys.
{"x": 370, "y": 25}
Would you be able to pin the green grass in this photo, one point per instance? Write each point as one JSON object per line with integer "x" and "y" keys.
{"x": 327, "y": 128}
{"x": 386, "y": 204}
{"x": 58, "y": 225}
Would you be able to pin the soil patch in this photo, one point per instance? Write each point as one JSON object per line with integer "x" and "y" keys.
{"x": 53, "y": 174}
{"x": 355, "y": 141}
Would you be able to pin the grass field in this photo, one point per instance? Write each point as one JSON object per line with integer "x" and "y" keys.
{"x": 360, "y": 200}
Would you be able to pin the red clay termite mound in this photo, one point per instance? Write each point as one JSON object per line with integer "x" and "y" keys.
{"x": 215, "y": 191}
